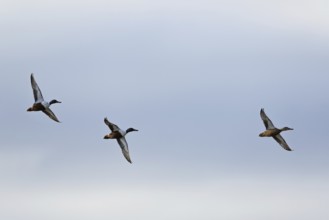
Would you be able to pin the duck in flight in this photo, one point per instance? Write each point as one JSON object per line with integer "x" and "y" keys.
{"x": 119, "y": 135}
{"x": 272, "y": 131}
{"x": 40, "y": 104}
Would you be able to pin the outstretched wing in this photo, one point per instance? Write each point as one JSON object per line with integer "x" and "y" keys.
{"x": 124, "y": 147}
{"x": 36, "y": 90}
{"x": 267, "y": 122}
{"x": 112, "y": 126}
{"x": 282, "y": 142}
{"x": 51, "y": 115}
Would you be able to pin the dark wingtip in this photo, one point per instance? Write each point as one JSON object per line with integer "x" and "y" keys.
{"x": 288, "y": 149}
{"x": 128, "y": 159}
{"x": 106, "y": 121}
{"x": 55, "y": 119}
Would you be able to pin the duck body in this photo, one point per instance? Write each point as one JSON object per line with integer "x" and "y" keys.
{"x": 272, "y": 131}
{"x": 40, "y": 104}
{"x": 119, "y": 135}
{"x": 115, "y": 135}
{"x": 36, "y": 107}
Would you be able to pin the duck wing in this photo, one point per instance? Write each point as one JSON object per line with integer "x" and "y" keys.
{"x": 112, "y": 126}
{"x": 267, "y": 122}
{"x": 36, "y": 90}
{"x": 51, "y": 115}
{"x": 124, "y": 147}
{"x": 282, "y": 142}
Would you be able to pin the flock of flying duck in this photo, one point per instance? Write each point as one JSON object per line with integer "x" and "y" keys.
{"x": 116, "y": 133}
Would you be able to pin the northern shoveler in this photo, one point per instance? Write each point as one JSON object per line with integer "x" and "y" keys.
{"x": 119, "y": 135}
{"x": 272, "y": 131}
{"x": 40, "y": 104}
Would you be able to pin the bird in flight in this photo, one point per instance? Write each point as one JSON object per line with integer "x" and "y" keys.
{"x": 272, "y": 131}
{"x": 119, "y": 135}
{"x": 40, "y": 104}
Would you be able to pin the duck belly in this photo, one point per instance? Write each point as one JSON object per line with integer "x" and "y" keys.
{"x": 115, "y": 135}
{"x": 270, "y": 133}
{"x": 38, "y": 107}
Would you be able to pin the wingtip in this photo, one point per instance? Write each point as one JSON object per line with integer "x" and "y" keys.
{"x": 128, "y": 158}
{"x": 262, "y": 112}
{"x": 288, "y": 149}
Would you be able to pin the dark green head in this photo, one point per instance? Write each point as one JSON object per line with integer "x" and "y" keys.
{"x": 286, "y": 129}
{"x": 54, "y": 101}
{"x": 130, "y": 130}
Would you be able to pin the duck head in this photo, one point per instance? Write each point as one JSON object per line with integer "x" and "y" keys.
{"x": 130, "y": 130}
{"x": 286, "y": 129}
{"x": 54, "y": 101}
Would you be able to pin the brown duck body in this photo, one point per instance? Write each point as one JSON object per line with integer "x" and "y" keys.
{"x": 113, "y": 135}
{"x": 36, "y": 107}
{"x": 270, "y": 132}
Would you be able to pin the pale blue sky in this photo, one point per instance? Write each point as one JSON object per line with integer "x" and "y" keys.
{"x": 192, "y": 77}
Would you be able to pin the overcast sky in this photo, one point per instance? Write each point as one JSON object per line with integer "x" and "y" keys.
{"x": 191, "y": 76}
